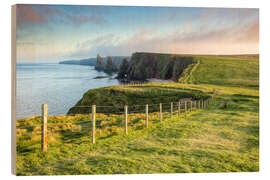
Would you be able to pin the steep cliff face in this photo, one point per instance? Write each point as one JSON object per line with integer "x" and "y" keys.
{"x": 111, "y": 65}
{"x": 100, "y": 65}
{"x": 144, "y": 66}
{"x": 176, "y": 66}
{"x": 123, "y": 70}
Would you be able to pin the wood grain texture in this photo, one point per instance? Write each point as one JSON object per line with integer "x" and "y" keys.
{"x": 13, "y": 89}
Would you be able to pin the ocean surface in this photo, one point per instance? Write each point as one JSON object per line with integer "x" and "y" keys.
{"x": 58, "y": 85}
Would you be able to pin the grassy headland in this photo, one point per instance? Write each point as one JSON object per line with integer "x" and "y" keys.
{"x": 222, "y": 70}
{"x": 222, "y": 138}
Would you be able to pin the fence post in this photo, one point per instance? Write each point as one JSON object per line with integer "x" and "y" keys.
{"x": 93, "y": 124}
{"x": 185, "y": 106}
{"x": 126, "y": 119}
{"x": 195, "y": 104}
{"x": 171, "y": 109}
{"x": 146, "y": 113}
{"x": 203, "y": 105}
{"x": 179, "y": 108}
{"x": 160, "y": 109}
{"x": 44, "y": 128}
{"x": 191, "y": 106}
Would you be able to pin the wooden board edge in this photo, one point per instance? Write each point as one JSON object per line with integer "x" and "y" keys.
{"x": 13, "y": 89}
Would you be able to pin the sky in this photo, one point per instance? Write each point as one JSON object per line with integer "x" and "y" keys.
{"x": 67, "y": 32}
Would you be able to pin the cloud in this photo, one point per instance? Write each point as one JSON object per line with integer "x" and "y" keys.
{"x": 26, "y": 14}
{"x": 83, "y": 19}
{"x": 230, "y": 40}
{"x": 32, "y": 14}
{"x": 247, "y": 33}
{"x": 210, "y": 31}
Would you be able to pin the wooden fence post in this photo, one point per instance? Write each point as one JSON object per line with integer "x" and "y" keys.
{"x": 179, "y": 108}
{"x": 171, "y": 109}
{"x": 191, "y": 106}
{"x": 146, "y": 113}
{"x": 195, "y": 104}
{"x": 126, "y": 119}
{"x": 185, "y": 106}
{"x": 160, "y": 110}
{"x": 93, "y": 124}
{"x": 203, "y": 105}
{"x": 44, "y": 128}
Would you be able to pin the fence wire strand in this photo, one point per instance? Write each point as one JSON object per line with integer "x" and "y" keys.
{"x": 169, "y": 109}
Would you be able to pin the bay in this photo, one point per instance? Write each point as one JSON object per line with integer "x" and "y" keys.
{"x": 58, "y": 85}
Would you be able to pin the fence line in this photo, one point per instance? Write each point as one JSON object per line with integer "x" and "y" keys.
{"x": 93, "y": 124}
{"x": 171, "y": 109}
{"x": 44, "y": 128}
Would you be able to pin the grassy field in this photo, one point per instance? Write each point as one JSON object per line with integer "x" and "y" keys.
{"x": 222, "y": 138}
{"x": 118, "y": 96}
{"x": 220, "y": 70}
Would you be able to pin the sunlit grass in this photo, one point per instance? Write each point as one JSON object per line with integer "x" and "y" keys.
{"x": 222, "y": 138}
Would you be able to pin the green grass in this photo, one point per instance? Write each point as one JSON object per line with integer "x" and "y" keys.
{"x": 222, "y": 138}
{"x": 118, "y": 96}
{"x": 225, "y": 71}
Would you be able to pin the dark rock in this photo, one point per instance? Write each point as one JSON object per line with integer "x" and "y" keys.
{"x": 144, "y": 66}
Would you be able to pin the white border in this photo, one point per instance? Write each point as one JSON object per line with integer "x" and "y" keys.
{"x": 5, "y": 76}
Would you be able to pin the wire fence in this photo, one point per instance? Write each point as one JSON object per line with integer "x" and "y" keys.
{"x": 100, "y": 124}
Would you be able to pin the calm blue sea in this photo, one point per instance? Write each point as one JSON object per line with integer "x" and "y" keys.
{"x": 58, "y": 85}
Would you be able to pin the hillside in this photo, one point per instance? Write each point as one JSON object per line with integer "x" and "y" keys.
{"x": 216, "y": 70}
{"x": 221, "y": 138}
{"x": 118, "y": 96}
{"x": 144, "y": 66}
{"x": 224, "y": 70}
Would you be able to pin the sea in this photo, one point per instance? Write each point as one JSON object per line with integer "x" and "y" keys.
{"x": 60, "y": 86}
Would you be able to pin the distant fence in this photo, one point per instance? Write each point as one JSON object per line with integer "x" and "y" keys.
{"x": 134, "y": 83}
{"x": 172, "y": 109}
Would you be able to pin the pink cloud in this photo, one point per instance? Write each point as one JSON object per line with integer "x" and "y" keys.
{"x": 82, "y": 19}
{"x": 26, "y": 14}
{"x": 240, "y": 39}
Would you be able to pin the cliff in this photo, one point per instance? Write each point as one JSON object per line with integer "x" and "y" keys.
{"x": 100, "y": 64}
{"x": 111, "y": 65}
{"x": 144, "y": 66}
{"x": 86, "y": 62}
